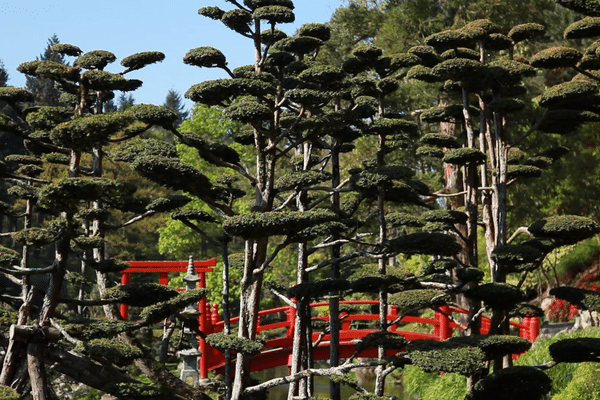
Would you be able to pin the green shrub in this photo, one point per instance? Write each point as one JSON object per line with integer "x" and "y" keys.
{"x": 585, "y": 384}
{"x": 562, "y": 374}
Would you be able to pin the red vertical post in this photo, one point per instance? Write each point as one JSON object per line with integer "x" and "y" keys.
{"x": 524, "y": 328}
{"x": 534, "y": 328}
{"x": 203, "y": 320}
{"x": 124, "y": 309}
{"x": 291, "y": 321}
{"x": 394, "y": 316}
{"x": 442, "y": 326}
{"x": 163, "y": 278}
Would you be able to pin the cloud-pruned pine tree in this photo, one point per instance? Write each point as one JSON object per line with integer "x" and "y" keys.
{"x": 61, "y": 177}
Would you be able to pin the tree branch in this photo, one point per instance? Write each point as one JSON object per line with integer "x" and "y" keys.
{"x": 341, "y": 370}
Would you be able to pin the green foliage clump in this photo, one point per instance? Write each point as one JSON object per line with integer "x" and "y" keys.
{"x": 161, "y": 310}
{"x": 521, "y": 32}
{"x": 112, "y": 350}
{"x": 8, "y": 393}
{"x": 446, "y": 216}
{"x": 439, "y": 140}
{"x": 133, "y": 149}
{"x": 222, "y": 342}
{"x": 192, "y": 215}
{"x": 297, "y": 45}
{"x": 301, "y": 179}
{"x": 517, "y": 256}
{"x": 425, "y": 243}
{"x": 274, "y": 14}
{"x": 248, "y": 111}
{"x": 96, "y": 328}
{"x": 464, "y": 156}
{"x": 140, "y": 60}
{"x": 205, "y": 56}
{"x": 36, "y": 237}
{"x": 567, "y": 92}
{"x": 576, "y": 350}
{"x": 141, "y": 391}
{"x": 451, "y": 113}
{"x": 140, "y": 295}
{"x": 67, "y": 49}
{"x": 275, "y": 223}
{"x": 46, "y": 118}
{"x": 319, "y": 31}
{"x": 584, "y": 28}
{"x": 49, "y": 69}
{"x": 62, "y": 194}
{"x": 448, "y": 39}
{"x": 586, "y": 7}
{"x": 457, "y": 68}
{"x": 168, "y": 203}
{"x": 95, "y": 59}
{"x": 518, "y": 383}
{"x": 153, "y": 115}
{"x": 174, "y": 174}
{"x": 84, "y": 242}
{"x": 103, "y": 80}
{"x": 583, "y": 298}
{"x": 388, "y": 340}
{"x": 567, "y": 228}
{"x": 523, "y": 171}
{"x": 422, "y": 73}
{"x": 445, "y": 356}
{"x": 14, "y": 95}
{"x": 497, "y": 296}
{"x": 419, "y": 298}
{"x": 317, "y": 289}
{"x": 89, "y": 130}
{"x": 469, "y": 275}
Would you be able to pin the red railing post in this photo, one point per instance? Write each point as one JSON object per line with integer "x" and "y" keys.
{"x": 291, "y": 320}
{"x": 124, "y": 309}
{"x": 394, "y": 316}
{"x": 525, "y": 329}
{"x": 442, "y": 324}
{"x": 534, "y": 328}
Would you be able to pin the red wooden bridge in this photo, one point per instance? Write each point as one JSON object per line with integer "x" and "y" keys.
{"x": 280, "y": 322}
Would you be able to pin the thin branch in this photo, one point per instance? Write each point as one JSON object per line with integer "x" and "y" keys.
{"x": 341, "y": 370}
{"x": 328, "y": 195}
{"x": 522, "y": 229}
{"x": 286, "y": 202}
{"x": 282, "y": 297}
{"x": 131, "y": 221}
{"x": 64, "y": 332}
{"x": 98, "y": 302}
{"x": 335, "y": 260}
{"x": 197, "y": 229}
{"x": 532, "y": 129}
{"x": 266, "y": 263}
{"x": 13, "y": 178}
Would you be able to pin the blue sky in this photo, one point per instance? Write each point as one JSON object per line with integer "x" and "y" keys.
{"x": 125, "y": 27}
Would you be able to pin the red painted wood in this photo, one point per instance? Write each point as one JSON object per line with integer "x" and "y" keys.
{"x": 277, "y": 351}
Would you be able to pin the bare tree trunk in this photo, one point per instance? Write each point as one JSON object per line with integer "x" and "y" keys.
{"x": 334, "y": 297}
{"x": 40, "y": 389}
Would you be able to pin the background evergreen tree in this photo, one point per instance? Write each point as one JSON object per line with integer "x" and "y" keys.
{"x": 44, "y": 90}
{"x": 124, "y": 101}
{"x": 174, "y": 102}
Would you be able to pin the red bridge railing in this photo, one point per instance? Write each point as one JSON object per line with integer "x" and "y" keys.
{"x": 280, "y": 322}
{"x": 277, "y": 351}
